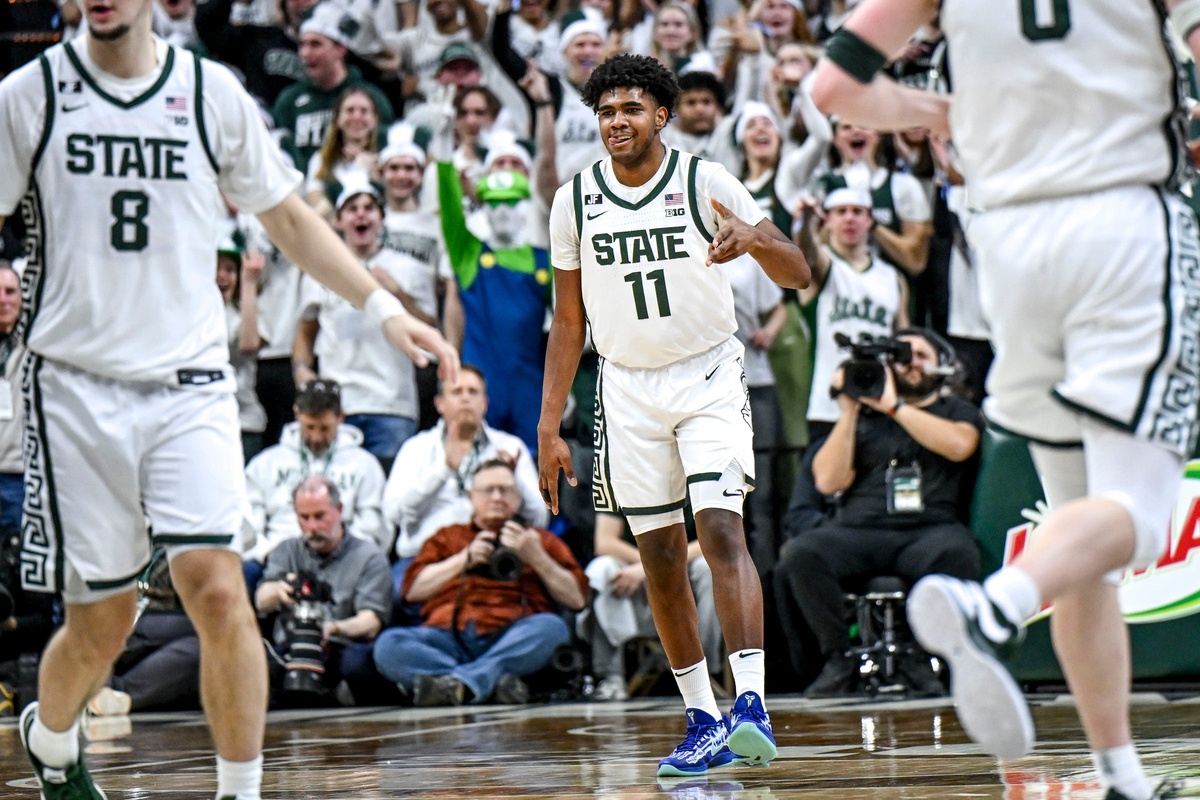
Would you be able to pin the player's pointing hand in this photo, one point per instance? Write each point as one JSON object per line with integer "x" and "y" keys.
{"x": 734, "y": 237}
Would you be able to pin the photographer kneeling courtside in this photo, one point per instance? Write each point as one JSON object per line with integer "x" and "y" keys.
{"x": 492, "y": 590}
{"x": 332, "y": 594}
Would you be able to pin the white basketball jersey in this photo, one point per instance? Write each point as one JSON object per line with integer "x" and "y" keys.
{"x": 853, "y": 303}
{"x": 1060, "y": 97}
{"x": 649, "y": 297}
{"x": 123, "y": 285}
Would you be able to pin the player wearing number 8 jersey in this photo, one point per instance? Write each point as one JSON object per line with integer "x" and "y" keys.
{"x": 1069, "y": 120}
{"x": 120, "y": 148}
{"x": 633, "y": 243}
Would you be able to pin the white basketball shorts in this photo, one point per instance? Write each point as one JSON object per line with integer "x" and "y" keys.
{"x": 107, "y": 463}
{"x": 1094, "y": 307}
{"x": 660, "y": 431}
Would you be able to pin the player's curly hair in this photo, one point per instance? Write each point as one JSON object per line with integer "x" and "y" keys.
{"x": 627, "y": 71}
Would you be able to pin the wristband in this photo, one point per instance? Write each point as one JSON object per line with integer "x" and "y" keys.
{"x": 859, "y": 58}
{"x": 381, "y": 306}
{"x": 895, "y": 408}
{"x": 542, "y": 103}
{"x": 1186, "y": 17}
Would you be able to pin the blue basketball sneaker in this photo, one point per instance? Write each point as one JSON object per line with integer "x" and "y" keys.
{"x": 750, "y": 736}
{"x": 702, "y": 748}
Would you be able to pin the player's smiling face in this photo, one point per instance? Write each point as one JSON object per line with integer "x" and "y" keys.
{"x": 629, "y": 123}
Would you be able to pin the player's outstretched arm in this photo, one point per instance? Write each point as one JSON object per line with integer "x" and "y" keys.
{"x": 312, "y": 245}
{"x": 847, "y": 80}
{"x": 775, "y": 253}
{"x": 567, "y": 333}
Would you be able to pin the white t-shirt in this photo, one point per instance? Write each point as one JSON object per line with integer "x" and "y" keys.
{"x": 754, "y": 296}
{"x": 376, "y": 378}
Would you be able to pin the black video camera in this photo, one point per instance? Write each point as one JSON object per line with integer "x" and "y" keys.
{"x": 304, "y": 656}
{"x": 863, "y": 373}
{"x": 502, "y": 565}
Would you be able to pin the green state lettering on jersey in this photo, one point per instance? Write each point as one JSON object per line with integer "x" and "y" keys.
{"x": 639, "y": 246}
{"x": 844, "y": 308}
{"x": 127, "y": 156}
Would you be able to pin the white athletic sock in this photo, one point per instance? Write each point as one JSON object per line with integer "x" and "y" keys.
{"x": 54, "y": 749}
{"x": 1015, "y": 593}
{"x": 749, "y": 672}
{"x": 1121, "y": 769}
{"x": 239, "y": 779}
{"x": 696, "y": 690}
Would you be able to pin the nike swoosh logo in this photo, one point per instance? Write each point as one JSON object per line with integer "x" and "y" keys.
{"x": 597, "y": 214}
{"x": 687, "y": 672}
{"x": 738, "y": 493}
{"x": 711, "y": 372}
{"x": 68, "y": 109}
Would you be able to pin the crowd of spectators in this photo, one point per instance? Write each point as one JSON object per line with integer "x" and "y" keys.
{"x": 432, "y": 135}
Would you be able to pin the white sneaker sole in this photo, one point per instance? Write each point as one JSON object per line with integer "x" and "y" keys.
{"x": 990, "y": 705}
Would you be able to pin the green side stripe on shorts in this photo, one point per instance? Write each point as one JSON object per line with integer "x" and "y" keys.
{"x": 56, "y": 532}
{"x": 1168, "y": 323}
{"x": 647, "y": 510}
{"x": 199, "y": 538}
{"x": 1069, "y": 445}
{"x": 701, "y": 477}
{"x": 100, "y": 586}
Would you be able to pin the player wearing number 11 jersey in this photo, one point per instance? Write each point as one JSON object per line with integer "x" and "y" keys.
{"x": 633, "y": 242}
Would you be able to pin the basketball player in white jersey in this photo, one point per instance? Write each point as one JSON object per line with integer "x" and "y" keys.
{"x": 633, "y": 241}
{"x": 1068, "y": 119}
{"x": 118, "y": 148}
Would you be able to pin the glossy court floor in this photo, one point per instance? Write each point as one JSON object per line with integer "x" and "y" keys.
{"x": 834, "y": 750}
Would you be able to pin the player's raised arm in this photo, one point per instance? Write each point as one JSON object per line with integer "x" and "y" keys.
{"x": 775, "y": 253}
{"x": 848, "y": 81}
{"x": 310, "y": 243}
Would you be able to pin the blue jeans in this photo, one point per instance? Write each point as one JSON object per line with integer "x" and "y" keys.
{"x": 383, "y": 433}
{"x": 401, "y": 654}
{"x": 12, "y": 498}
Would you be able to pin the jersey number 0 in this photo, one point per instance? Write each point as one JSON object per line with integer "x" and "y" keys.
{"x": 1054, "y": 27}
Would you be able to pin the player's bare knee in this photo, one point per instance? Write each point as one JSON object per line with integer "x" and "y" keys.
{"x": 1150, "y": 528}
{"x": 661, "y": 549}
{"x": 100, "y": 629}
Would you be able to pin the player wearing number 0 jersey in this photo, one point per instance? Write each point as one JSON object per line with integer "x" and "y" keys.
{"x": 1069, "y": 120}
{"x": 634, "y": 241}
{"x": 119, "y": 148}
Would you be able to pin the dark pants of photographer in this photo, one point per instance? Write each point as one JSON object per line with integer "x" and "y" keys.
{"x": 160, "y": 666}
{"x": 817, "y": 567}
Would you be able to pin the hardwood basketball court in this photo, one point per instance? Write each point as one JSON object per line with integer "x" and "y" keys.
{"x": 828, "y": 750}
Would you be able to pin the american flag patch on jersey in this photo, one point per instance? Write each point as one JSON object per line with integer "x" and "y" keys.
{"x": 674, "y": 199}
{"x": 176, "y": 104}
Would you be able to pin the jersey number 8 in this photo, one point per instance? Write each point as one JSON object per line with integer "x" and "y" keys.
{"x": 129, "y": 232}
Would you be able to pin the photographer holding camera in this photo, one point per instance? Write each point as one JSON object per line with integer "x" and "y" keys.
{"x": 895, "y": 460}
{"x": 334, "y": 593}
{"x": 492, "y": 589}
